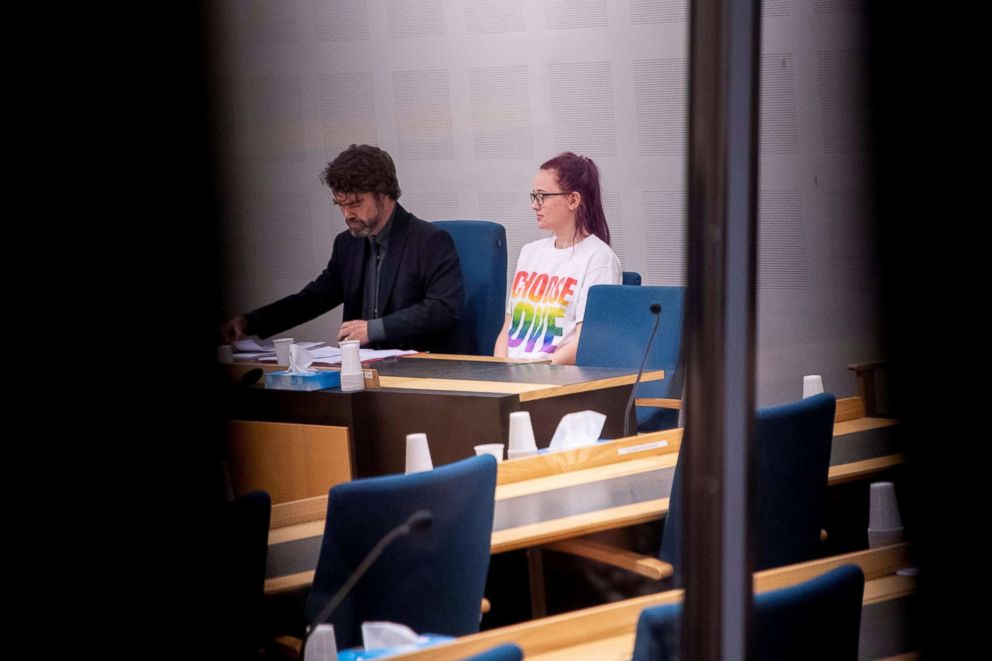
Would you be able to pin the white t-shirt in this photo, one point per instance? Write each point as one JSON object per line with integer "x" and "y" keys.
{"x": 548, "y": 293}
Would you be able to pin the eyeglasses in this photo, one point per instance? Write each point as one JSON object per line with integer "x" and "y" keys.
{"x": 350, "y": 202}
{"x": 539, "y": 197}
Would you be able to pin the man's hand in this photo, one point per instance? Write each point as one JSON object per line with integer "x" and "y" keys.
{"x": 233, "y": 330}
{"x": 355, "y": 330}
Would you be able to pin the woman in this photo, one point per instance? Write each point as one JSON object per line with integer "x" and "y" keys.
{"x": 547, "y": 298}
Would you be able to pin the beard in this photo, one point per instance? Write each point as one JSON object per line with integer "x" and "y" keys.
{"x": 363, "y": 227}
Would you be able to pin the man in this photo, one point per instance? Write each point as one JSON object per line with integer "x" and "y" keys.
{"x": 398, "y": 276}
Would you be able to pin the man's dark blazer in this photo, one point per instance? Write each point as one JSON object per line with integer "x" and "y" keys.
{"x": 420, "y": 282}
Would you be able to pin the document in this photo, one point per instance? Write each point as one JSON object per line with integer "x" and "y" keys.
{"x": 329, "y": 355}
{"x": 250, "y": 347}
{"x": 322, "y": 355}
{"x": 251, "y": 350}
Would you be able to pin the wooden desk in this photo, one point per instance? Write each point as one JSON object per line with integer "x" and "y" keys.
{"x": 457, "y": 403}
{"x": 607, "y": 632}
{"x": 568, "y": 494}
{"x": 290, "y": 462}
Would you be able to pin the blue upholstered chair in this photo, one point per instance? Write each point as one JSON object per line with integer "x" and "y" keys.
{"x": 481, "y": 247}
{"x": 631, "y": 278}
{"x": 505, "y": 652}
{"x": 792, "y": 459}
{"x": 615, "y": 331}
{"x": 817, "y": 619}
{"x": 430, "y": 580}
{"x": 792, "y": 454}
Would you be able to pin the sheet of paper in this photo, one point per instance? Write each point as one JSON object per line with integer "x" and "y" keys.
{"x": 332, "y": 355}
{"x": 262, "y": 357}
{"x": 373, "y": 354}
{"x": 250, "y": 346}
{"x": 270, "y": 356}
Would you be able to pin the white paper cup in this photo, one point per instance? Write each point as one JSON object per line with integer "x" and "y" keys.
{"x": 321, "y": 645}
{"x": 883, "y": 509}
{"x": 352, "y": 377}
{"x": 351, "y": 362}
{"x": 282, "y": 350}
{"x": 521, "y": 434}
{"x": 878, "y": 538}
{"x": 418, "y": 455}
{"x": 812, "y": 385}
{"x": 495, "y": 449}
{"x": 884, "y": 521}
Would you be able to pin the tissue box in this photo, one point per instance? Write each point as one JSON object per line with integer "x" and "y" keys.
{"x": 285, "y": 380}
{"x": 361, "y": 654}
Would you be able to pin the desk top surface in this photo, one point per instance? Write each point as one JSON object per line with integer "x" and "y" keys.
{"x": 488, "y": 377}
{"x": 545, "y": 509}
{"x": 479, "y": 368}
{"x": 608, "y": 631}
{"x": 473, "y": 370}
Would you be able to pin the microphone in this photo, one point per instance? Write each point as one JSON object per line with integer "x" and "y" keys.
{"x": 419, "y": 520}
{"x": 656, "y": 311}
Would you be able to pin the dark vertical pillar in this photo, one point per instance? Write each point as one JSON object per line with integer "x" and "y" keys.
{"x": 720, "y": 318}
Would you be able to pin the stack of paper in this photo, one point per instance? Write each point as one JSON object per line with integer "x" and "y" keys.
{"x": 251, "y": 350}
{"x": 324, "y": 355}
{"x": 332, "y": 355}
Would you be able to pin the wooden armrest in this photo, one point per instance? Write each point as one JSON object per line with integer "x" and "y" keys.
{"x": 823, "y": 535}
{"x": 617, "y": 557}
{"x": 865, "y": 375}
{"x": 486, "y": 606}
{"x": 862, "y": 367}
{"x": 285, "y": 647}
{"x": 659, "y": 402}
{"x": 849, "y": 408}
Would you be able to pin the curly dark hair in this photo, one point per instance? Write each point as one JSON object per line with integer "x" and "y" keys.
{"x": 362, "y": 169}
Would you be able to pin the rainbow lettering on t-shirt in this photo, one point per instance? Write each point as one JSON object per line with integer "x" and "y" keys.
{"x": 540, "y": 300}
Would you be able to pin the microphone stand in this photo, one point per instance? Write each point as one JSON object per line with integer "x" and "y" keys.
{"x": 656, "y": 311}
{"x": 419, "y": 520}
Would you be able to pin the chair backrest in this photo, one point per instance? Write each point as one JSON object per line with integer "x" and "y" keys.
{"x": 481, "y": 247}
{"x": 430, "y": 580}
{"x": 792, "y": 460}
{"x": 817, "y": 619}
{"x": 615, "y": 332}
{"x": 504, "y": 652}
{"x": 631, "y": 278}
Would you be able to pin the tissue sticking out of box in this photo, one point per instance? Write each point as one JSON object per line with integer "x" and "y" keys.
{"x": 299, "y": 360}
{"x": 383, "y": 635}
{"x": 577, "y": 429}
{"x": 298, "y": 377}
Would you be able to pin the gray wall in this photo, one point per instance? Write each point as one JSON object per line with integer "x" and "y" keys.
{"x": 470, "y": 96}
